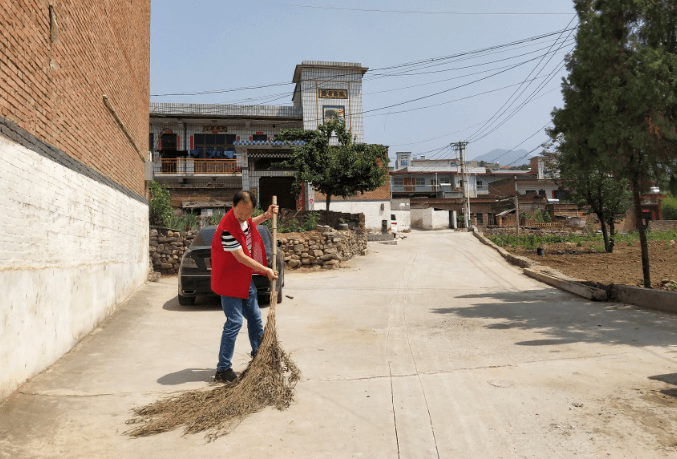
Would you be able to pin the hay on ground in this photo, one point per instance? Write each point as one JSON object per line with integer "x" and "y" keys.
{"x": 269, "y": 380}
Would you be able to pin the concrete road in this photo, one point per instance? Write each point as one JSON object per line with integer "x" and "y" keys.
{"x": 433, "y": 348}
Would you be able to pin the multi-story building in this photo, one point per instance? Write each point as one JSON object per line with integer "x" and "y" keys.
{"x": 443, "y": 178}
{"x": 207, "y": 152}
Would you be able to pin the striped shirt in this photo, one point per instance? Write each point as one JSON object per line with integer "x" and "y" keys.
{"x": 230, "y": 244}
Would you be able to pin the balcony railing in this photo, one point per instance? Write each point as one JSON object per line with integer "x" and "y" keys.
{"x": 414, "y": 188}
{"x": 183, "y": 166}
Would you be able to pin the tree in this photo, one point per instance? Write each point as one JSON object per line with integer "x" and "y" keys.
{"x": 332, "y": 163}
{"x": 620, "y": 97}
{"x": 591, "y": 184}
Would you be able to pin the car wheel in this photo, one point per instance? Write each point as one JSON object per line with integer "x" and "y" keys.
{"x": 186, "y": 300}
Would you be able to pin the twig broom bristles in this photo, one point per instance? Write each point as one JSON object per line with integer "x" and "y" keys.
{"x": 268, "y": 380}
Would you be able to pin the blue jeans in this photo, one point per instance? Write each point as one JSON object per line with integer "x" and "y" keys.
{"x": 235, "y": 309}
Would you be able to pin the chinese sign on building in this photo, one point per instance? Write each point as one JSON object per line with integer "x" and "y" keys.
{"x": 333, "y": 93}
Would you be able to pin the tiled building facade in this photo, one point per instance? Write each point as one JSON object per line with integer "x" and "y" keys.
{"x": 200, "y": 150}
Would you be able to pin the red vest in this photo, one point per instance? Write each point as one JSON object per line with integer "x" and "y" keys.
{"x": 229, "y": 276}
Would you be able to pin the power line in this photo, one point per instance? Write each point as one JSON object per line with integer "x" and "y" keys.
{"x": 369, "y": 10}
{"x": 499, "y": 113}
{"x": 372, "y": 72}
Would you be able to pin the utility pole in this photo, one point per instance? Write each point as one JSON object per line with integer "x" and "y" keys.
{"x": 517, "y": 216}
{"x": 460, "y": 147}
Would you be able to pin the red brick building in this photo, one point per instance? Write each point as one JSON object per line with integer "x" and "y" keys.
{"x": 74, "y": 95}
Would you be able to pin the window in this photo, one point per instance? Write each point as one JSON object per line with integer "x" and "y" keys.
{"x": 260, "y": 137}
{"x": 420, "y": 181}
{"x": 213, "y": 146}
{"x": 168, "y": 141}
{"x": 480, "y": 218}
{"x": 434, "y": 182}
{"x": 541, "y": 192}
{"x": 479, "y": 182}
{"x": 398, "y": 181}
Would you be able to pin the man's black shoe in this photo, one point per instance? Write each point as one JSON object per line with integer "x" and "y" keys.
{"x": 225, "y": 376}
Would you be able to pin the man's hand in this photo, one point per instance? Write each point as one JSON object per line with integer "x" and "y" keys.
{"x": 271, "y": 274}
{"x": 272, "y": 209}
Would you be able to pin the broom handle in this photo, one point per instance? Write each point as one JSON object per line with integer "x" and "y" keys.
{"x": 274, "y": 246}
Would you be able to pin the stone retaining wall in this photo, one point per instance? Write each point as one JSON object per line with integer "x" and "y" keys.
{"x": 663, "y": 225}
{"x": 167, "y": 246}
{"x": 324, "y": 248}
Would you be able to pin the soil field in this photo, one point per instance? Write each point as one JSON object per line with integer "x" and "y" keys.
{"x": 623, "y": 266}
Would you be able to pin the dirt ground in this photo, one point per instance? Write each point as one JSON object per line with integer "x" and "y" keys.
{"x": 623, "y": 266}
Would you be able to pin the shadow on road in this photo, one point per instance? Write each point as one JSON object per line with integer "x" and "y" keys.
{"x": 563, "y": 318}
{"x": 204, "y": 303}
{"x": 187, "y": 375}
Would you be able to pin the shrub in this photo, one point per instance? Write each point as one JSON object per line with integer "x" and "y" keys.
{"x": 669, "y": 206}
{"x": 160, "y": 212}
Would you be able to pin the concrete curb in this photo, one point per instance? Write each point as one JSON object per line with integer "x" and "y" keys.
{"x": 591, "y": 293}
{"x": 522, "y": 262}
{"x": 659, "y": 300}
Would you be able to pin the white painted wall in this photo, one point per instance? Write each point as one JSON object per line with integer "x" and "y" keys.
{"x": 373, "y": 215}
{"x": 440, "y": 219}
{"x": 71, "y": 250}
{"x": 429, "y": 219}
{"x": 403, "y": 219}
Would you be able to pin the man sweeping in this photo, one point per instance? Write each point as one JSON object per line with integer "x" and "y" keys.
{"x": 237, "y": 252}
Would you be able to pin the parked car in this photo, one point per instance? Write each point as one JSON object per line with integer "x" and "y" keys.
{"x": 195, "y": 269}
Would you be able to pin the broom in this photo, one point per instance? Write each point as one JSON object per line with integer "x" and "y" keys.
{"x": 269, "y": 380}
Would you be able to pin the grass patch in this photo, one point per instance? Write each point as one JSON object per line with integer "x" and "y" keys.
{"x": 531, "y": 241}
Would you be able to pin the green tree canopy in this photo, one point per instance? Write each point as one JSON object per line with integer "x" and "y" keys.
{"x": 591, "y": 184}
{"x": 332, "y": 163}
{"x": 621, "y": 95}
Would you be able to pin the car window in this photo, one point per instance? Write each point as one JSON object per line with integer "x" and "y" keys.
{"x": 267, "y": 239}
{"x": 204, "y": 237}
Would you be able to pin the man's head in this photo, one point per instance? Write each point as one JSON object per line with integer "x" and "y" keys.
{"x": 243, "y": 205}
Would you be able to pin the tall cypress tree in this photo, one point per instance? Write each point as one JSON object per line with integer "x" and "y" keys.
{"x": 620, "y": 97}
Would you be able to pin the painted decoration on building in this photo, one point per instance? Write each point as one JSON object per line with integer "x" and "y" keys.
{"x": 214, "y": 129}
{"x": 332, "y": 93}
{"x": 300, "y": 201}
{"x": 330, "y": 112}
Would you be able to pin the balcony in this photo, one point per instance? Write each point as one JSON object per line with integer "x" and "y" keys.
{"x": 414, "y": 188}
{"x": 196, "y": 167}
{"x": 482, "y": 189}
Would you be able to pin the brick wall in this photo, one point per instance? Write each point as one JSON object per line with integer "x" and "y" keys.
{"x": 56, "y": 68}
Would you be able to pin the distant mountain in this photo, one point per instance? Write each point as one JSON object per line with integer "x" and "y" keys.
{"x": 499, "y": 155}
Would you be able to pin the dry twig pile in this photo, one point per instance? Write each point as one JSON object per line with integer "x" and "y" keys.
{"x": 268, "y": 380}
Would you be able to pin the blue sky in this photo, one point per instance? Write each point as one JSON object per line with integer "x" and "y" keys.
{"x": 200, "y": 46}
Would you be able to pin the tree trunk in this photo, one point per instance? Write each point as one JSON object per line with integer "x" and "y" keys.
{"x": 605, "y": 234}
{"x": 326, "y": 212}
{"x": 612, "y": 239}
{"x": 642, "y": 233}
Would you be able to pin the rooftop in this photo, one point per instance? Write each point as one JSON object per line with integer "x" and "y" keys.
{"x": 161, "y": 109}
